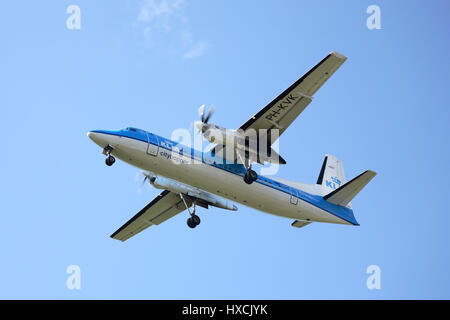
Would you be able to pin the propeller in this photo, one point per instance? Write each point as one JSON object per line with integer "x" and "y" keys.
{"x": 148, "y": 176}
{"x": 151, "y": 177}
{"x": 202, "y": 124}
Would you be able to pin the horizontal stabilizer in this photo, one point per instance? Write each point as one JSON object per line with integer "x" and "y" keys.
{"x": 300, "y": 223}
{"x": 344, "y": 194}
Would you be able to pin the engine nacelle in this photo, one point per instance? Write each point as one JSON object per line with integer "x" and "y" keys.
{"x": 178, "y": 187}
{"x": 171, "y": 185}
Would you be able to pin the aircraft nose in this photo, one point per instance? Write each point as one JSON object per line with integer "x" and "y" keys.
{"x": 91, "y": 135}
{"x": 103, "y": 138}
{"x": 96, "y": 137}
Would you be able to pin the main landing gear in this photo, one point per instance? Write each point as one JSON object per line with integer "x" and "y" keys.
{"x": 250, "y": 176}
{"x": 193, "y": 220}
{"x": 109, "y": 159}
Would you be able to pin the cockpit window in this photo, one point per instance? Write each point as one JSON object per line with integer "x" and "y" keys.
{"x": 128, "y": 129}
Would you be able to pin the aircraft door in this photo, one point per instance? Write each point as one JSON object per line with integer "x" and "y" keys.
{"x": 153, "y": 144}
{"x": 294, "y": 197}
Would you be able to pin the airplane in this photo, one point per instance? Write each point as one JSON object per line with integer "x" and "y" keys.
{"x": 190, "y": 178}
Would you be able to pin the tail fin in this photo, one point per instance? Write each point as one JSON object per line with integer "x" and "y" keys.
{"x": 344, "y": 194}
{"x": 332, "y": 174}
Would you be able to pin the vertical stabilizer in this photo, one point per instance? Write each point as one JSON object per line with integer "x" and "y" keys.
{"x": 332, "y": 174}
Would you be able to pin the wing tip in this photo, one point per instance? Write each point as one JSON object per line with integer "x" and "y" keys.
{"x": 113, "y": 236}
{"x": 371, "y": 173}
{"x": 338, "y": 55}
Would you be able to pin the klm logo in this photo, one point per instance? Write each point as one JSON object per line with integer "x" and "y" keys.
{"x": 166, "y": 145}
{"x": 334, "y": 183}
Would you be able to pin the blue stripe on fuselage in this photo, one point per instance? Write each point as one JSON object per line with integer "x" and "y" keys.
{"x": 238, "y": 169}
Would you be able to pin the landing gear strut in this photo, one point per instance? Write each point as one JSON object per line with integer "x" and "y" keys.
{"x": 193, "y": 220}
{"x": 109, "y": 159}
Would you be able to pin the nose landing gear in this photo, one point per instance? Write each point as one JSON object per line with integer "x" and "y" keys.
{"x": 109, "y": 159}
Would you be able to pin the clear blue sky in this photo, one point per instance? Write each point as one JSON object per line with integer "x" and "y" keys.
{"x": 386, "y": 109}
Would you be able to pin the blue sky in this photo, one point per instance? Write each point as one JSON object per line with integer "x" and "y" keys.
{"x": 151, "y": 64}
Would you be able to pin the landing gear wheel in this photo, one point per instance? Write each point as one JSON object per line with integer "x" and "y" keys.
{"x": 247, "y": 179}
{"x": 250, "y": 176}
{"x": 110, "y": 160}
{"x": 193, "y": 221}
{"x": 196, "y": 219}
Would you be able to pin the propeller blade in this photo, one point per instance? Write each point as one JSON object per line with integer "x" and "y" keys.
{"x": 148, "y": 176}
{"x": 210, "y": 113}
{"x": 201, "y": 112}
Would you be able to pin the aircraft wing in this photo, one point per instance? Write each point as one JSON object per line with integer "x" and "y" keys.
{"x": 166, "y": 205}
{"x": 284, "y": 109}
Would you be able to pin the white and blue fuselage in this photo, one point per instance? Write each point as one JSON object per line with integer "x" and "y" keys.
{"x": 204, "y": 171}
